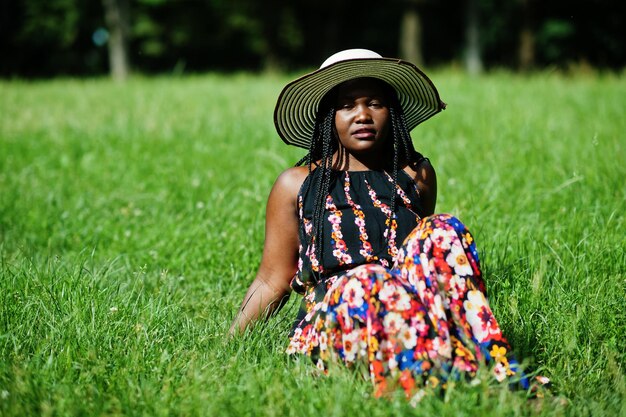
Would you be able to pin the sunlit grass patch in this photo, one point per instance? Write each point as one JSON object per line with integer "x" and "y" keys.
{"x": 131, "y": 223}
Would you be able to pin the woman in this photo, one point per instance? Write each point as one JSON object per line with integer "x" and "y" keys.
{"x": 386, "y": 283}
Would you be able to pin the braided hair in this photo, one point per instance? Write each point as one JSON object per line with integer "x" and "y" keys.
{"x": 325, "y": 143}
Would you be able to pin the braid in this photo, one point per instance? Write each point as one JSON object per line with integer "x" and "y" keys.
{"x": 323, "y": 180}
{"x": 395, "y": 179}
{"x": 313, "y": 145}
{"x": 400, "y": 131}
{"x": 322, "y": 148}
{"x": 303, "y": 160}
{"x": 396, "y": 137}
{"x": 403, "y": 152}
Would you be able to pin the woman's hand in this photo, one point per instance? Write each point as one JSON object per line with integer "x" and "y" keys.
{"x": 270, "y": 288}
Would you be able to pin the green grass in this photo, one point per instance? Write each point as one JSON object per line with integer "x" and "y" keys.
{"x": 131, "y": 224}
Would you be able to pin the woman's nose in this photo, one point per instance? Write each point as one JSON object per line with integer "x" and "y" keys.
{"x": 363, "y": 114}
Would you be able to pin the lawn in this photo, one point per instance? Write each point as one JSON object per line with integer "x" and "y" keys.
{"x": 131, "y": 224}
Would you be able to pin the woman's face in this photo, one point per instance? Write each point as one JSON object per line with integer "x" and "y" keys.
{"x": 362, "y": 115}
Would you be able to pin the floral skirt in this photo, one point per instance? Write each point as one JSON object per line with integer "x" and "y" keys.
{"x": 419, "y": 324}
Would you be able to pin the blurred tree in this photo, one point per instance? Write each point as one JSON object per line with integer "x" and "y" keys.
{"x": 328, "y": 26}
{"x": 270, "y": 27}
{"x": 116, "y": 13}
{"x": 56, "y": 37}
{"x": 473, "y": 56}
{"x": 526, "y": 51}
{"x": 553, "y": 38}
{"x": 411, "y": 33}
{"x": 49, "y": 37}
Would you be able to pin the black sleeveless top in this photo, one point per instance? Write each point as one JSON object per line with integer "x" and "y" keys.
{"x": 356, "y": 223}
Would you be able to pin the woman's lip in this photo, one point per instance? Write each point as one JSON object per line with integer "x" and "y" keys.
{"x": 364, "y": 133}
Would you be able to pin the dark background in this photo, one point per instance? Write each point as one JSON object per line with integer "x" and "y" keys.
{"x": 40, "y": 38}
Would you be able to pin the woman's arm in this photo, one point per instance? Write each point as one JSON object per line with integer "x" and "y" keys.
{"x": 424, "y": 176}
{"x": 280, "y": 252}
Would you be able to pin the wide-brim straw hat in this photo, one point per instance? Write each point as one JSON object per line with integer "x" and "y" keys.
{"x": 298, "y": 103}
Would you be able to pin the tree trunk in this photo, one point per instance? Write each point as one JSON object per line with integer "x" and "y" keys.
{"x": 270, "y": 13}
{"x": 411, "y": 35}
{"x": 116, "y": 17}
{"x": 526, "y": 53}
{"x": 473, "y": 60}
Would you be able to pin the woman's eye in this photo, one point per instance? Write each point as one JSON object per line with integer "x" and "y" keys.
{"x": 376, "y": 104}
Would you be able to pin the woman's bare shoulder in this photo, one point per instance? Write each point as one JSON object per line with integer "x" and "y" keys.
{"x": 290, "y": 180}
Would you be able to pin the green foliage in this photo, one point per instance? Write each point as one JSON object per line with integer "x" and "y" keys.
{"x": 553, "y": 38}
{"x": 56, "y": 21}
{"x": 54, "y": 37}
{"x": 131, "y": 223}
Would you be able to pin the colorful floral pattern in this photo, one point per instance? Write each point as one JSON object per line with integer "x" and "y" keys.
{"x": 359, "y": 219}
{"x": 356, "y": 224}
{"x": 390, "y": 222}
{"x": 413, "y": 317}
{"x": 415, "y": 325}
